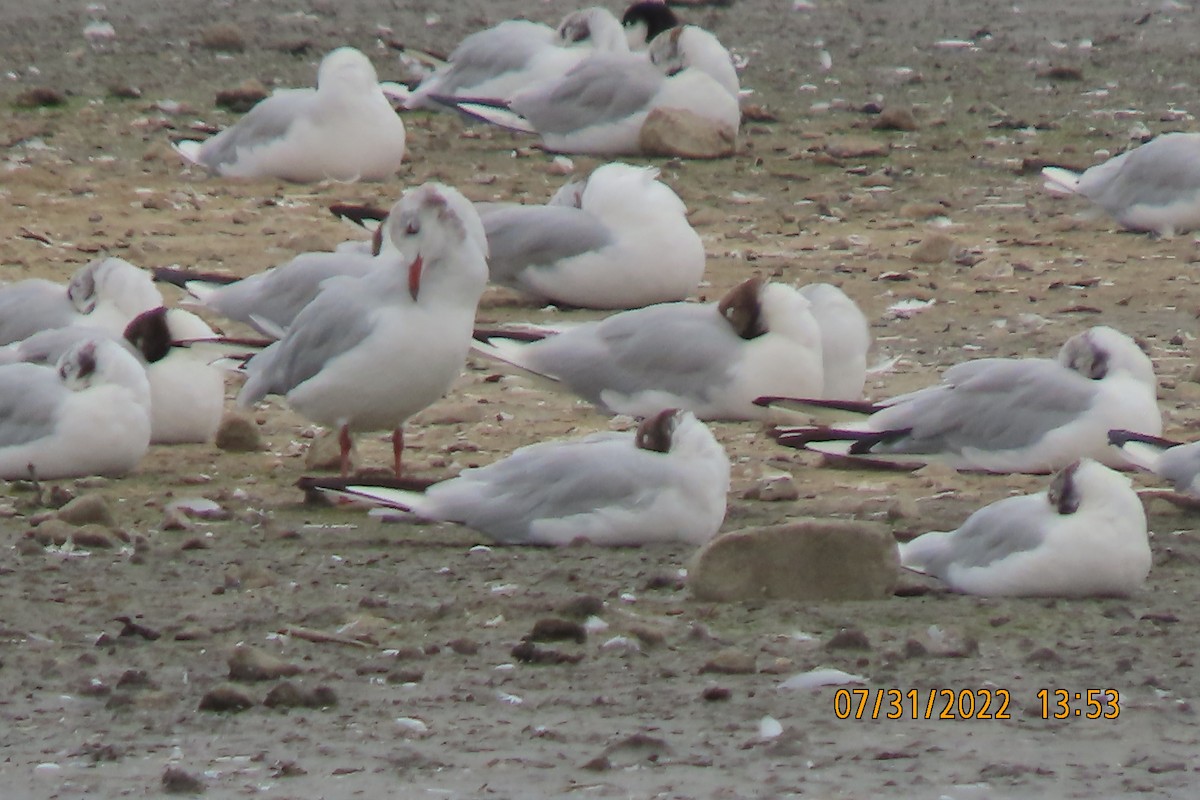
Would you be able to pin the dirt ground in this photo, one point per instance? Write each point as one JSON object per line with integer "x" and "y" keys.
{"x": 430, "y": 701}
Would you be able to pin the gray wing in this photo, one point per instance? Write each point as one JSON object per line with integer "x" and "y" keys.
{"x": 1158, "y": 173}
{"x": 605, "y": 87}
{"x": 45, "y": 347}
{"x": 682, "y": 348}
{"x": 279, "y": 294}
{"x": 30, "y": 397}
{"x": 337, "y": 320}
{"x": 995, "y": 532}
{"x": 267, "y": 121}
{"x": 33, "y": 305}
{"x": 548, "y": 481}
{"x": 538, "y": 236}
{"x": 507, "y": 47}
{"x": 993, "y": 404}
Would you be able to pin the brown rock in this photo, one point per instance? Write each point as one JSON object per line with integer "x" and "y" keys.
{"x": 53, "y": 532}
{"x": 242, "y": 98}
{"x": 251, "y": 664}
{"x": 40, "y": 97}
{"x": 222, "y": 37}
{"x": 226, "y": 698}
{"x": 325, "y": 453}
{"x": 896, "y": 119}
{"x": 290, "y": 695}
{"x": 94, "y": 537}
{"x": 85, "y": 510}
{"x": 807, "y": 559}
{"x": 848, "y": 639}
{"x": 933, "y": 249}
{"x": 730, "y": 661}
{"x": 238, "y": 434}
{"x": 856, "y": 147}
{"x": 677, "y": 132}
{"x": 923, "y": 210}
{"x": 176, "y": 781}
{"x": 553, "y": 629}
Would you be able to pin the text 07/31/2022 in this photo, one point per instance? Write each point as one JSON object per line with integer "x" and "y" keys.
{"x": 977, "y": 704}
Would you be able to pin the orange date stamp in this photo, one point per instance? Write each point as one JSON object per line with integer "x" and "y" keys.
{"x": 965, "y": 704}
{"x": 921, "y": 704}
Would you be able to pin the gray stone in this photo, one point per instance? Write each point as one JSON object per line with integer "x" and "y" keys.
{"x": 807, "y": 559}
{"x": 677, "y": 132}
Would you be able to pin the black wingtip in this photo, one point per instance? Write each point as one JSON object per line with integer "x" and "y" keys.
{"x": 180, "y": 277}
{"x": 358, "y": 214}
{"x": 850, "y": 406}
{"x": 862, "y": 442}
{"x": 318, "y": 483}
{"x": 1118, "y": 437}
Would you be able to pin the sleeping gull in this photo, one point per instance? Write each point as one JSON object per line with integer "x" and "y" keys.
{"x": 269, "y": 301}
{"x": 600, "y": 106}
{"x": 1175, "y": 462}
{"x": 627, "y": 244}
{"x": 712, "y": 359}
{"x": 1155, "y": 187}
{"x": 87, "y": 415}
{"x": 369, "y": 352}
{"x": 1007, "y": 414}
{"x": 1085, "y": 536}
{"x": 500, "y": 61}
{"x": 845, "y": 340}
{"x": 666, "y": 482}
{"x": 106, "y": 293}
{"x": 344, "y": 130}
{"x": 187, "y": 395}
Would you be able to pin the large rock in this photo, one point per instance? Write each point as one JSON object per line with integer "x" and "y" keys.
{"x": 676, "y": 132}
{"x": 808, "y": 559}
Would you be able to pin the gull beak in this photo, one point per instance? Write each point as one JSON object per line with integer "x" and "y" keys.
{"x": 414, "y": 276}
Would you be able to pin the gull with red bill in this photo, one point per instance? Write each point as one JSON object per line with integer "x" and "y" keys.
{"x": 367, "y": 353}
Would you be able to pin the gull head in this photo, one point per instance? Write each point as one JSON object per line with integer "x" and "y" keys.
{"x": 655, "y": 432}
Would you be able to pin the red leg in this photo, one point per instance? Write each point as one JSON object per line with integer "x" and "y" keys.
{"x": 344, "y": 443}
{"x": 397, "y": 448}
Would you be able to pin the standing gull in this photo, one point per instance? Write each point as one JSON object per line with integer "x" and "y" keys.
{"x": 1085, "y": 536}
{"x": 343, "y": 130}
{"x": 1007, "y": 414}
{"x": 368, "y": 353}
{"x": 666, "y": 482}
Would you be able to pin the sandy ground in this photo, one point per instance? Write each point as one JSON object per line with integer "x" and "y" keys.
{"x": 87, "y": 712}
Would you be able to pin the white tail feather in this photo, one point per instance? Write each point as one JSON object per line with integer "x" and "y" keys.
{"x": 190, "y": 150}
{"x": 501, "y": 117}
{"x": 399, "y": 499}
{"x": 1060, "y": 181}
{"x": 1142, "y": 455}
